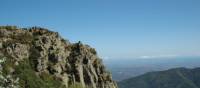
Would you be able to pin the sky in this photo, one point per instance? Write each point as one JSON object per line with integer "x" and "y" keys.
{"x": 116, "y": 28}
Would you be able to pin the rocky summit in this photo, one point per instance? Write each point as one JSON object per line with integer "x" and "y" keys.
{"x": 38, "y": 58}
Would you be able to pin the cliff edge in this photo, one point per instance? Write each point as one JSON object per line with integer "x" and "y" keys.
{"x": 38, "y": 58}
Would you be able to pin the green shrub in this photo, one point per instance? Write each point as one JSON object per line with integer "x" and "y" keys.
{"x": 76, "y": 85}
{"x": 9, "y": 63}
{"x": 8, "y": 27}
{"x": 24, "y": 38}
{"x": 28, "y": 78}
{"x": 93, "y": 51}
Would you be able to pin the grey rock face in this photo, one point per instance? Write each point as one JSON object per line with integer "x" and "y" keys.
{"x": 71, "y": 63}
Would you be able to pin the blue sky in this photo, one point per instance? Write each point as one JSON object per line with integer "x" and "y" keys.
{"x": 116, "y": 28}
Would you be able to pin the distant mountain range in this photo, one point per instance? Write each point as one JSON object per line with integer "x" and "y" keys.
{"x": 173, "y": 78}
{"x": 122, "y": 69}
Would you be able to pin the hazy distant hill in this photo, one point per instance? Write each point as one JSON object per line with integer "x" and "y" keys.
{"x": 173, "y": 78}
{"x": 126, "y": 68}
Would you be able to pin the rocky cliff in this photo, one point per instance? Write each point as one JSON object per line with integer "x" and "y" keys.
{"x": 38, "y": 58}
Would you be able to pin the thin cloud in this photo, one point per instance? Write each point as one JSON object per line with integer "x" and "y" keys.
{"x": 158, "y": 56}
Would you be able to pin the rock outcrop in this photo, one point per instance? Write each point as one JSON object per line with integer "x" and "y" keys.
{"x": 39, "y": 56}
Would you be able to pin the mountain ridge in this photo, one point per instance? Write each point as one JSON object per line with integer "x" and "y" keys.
{"x": 38, "y": 58}
{"x": 172, "y": 78}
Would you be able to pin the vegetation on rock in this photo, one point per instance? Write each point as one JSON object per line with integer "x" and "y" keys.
{"x": 38, "y": 58}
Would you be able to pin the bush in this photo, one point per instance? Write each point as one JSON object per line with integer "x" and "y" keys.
{"x": 93, "y": 51}
{"x": 76, "y": 85}
{"x": 9, "y": 63}
{"x": 24, "y": 38}
{"x": 8, "y": 27}
{"x": 28, "y": 78}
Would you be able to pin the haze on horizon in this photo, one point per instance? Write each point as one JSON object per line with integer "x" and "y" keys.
{"x": 116, "y": 28}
